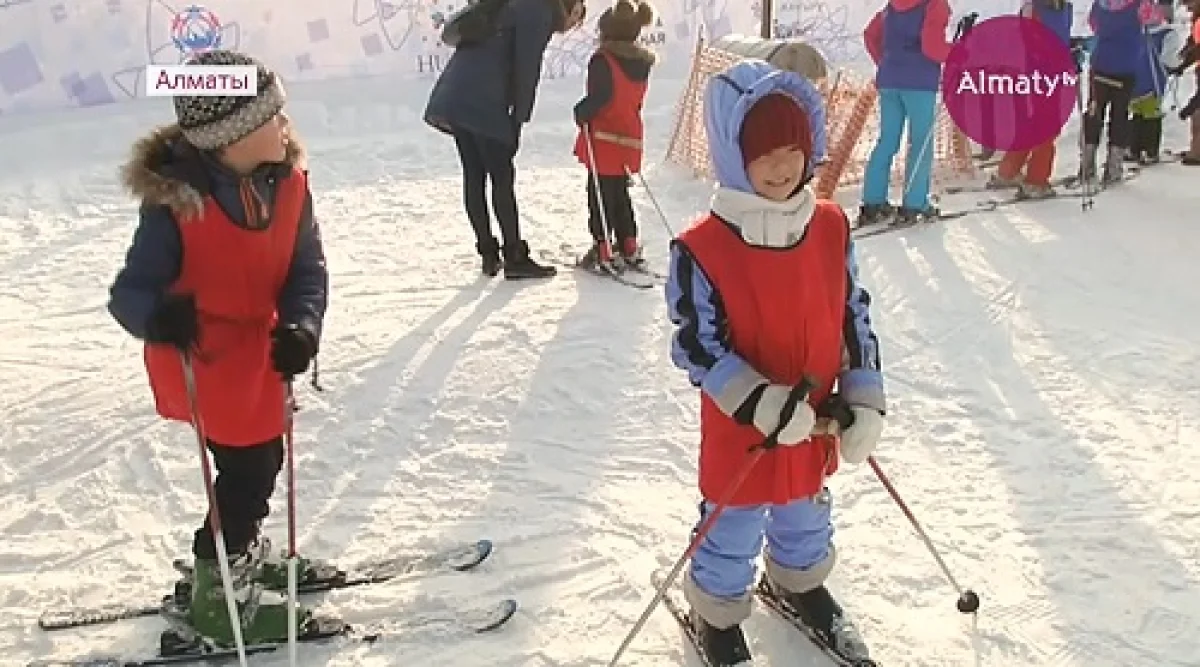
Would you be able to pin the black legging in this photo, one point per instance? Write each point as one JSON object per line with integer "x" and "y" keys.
{"x": 244, "y": 485}
{"x": 1108, "y": 95}
{"x": 618, "y": 209}
{"x": 484, "y": 159}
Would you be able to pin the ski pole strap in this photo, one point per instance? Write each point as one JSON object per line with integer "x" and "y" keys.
{"x": 836, "y": 408}
{"x": 795, "y": 396}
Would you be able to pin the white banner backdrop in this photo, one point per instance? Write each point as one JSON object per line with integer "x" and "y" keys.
{"x": 79, "y": 53}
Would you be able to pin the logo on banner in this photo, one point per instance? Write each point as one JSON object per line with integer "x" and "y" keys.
{"x": 1010, "y": 84}
{"x": 195, "y": 29}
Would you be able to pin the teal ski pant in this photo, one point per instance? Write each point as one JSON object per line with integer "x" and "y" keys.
{"x": 897, "y": 108}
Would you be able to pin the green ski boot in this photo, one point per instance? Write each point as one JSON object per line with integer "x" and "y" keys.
{"x": 263, "y": 612}
{"x": 273, "y": 568}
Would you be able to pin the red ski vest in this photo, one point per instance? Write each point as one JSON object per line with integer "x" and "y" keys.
{"x": 785, "y": 309}
{"x": 236, "y": 275}
{"x": 617, "y": 129}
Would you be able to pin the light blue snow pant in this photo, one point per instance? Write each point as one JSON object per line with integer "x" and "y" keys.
{"x": 800, "y": 555}
{"x": 897, "y": 108}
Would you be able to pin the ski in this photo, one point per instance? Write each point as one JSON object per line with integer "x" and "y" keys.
{"x": 859, "y": 233}
{"x": 619, "y": 272}
{"x": 673, "y": 601}
{"x": 622, "y": 276}
{"x": 1069, "y": 186}
{"x": 327, "y": 631}
{"x": 678, "y": 609}
{"x": 644, "y": 270}
{"x": 460, "y": 558}
{"x": 980, "y": 188}
{"x": 783, "y": 611}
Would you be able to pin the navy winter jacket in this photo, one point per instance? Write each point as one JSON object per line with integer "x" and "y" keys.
{"x": 489, "y": 88}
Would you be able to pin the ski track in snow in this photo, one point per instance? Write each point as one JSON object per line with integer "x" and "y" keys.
{"x": 1041, "y": 364}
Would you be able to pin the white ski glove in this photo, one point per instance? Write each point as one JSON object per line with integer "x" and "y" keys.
{"x": 858, "y": 441}
{"x": 770, "y": 409}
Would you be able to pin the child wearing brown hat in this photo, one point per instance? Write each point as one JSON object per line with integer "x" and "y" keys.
{"x": 227, "y": 266}
{"x": 764, "y": 294}
{"x": 609, "y": 143}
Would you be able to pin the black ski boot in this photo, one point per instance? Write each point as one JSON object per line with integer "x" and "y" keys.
{"x": 489, "y": 256}
{"x": 824, "y": 618}
{"x": 906, "y": 217}
{"x": 874, "y": 214}
{"x": 722, "y": 648}
{"x": 519, "y": 265}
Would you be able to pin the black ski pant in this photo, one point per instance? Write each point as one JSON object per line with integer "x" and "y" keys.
{"x": 245, "y": 481}
{"x": 1108, "y": 97}
{"x": 485, "y": 160}
{"x": 618, "y": 209}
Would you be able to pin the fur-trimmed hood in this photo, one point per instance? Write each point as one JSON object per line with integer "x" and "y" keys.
{"x": 629, "y": 51}
{"x": 165, "y": 170}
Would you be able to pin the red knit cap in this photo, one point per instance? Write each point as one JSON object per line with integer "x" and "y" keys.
{"x": 775, "y": 121}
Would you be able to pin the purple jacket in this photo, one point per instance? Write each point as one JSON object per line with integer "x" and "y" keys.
{"x": 907, "y": 41}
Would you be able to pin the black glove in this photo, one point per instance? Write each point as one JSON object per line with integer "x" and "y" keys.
{"x": 292, "y": 348}
{"x": 173, "y": 322}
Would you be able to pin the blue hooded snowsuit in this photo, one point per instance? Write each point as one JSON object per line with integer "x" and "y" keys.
{"x": 797, "y": 532}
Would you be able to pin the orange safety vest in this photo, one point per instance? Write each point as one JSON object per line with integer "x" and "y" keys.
{"x": 785, "y": 310}
{"x": 617, "y": 128}
{"x": 236, "y": 275}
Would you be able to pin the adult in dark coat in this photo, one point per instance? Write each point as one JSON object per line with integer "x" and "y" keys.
{"x": 482, "y": 98}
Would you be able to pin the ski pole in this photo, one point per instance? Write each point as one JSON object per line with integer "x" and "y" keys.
{"x": 214, "y": 514}
{"x": 653, "y": 200}
{"x": 795, "y": 396}
{"x": 595, "y": 178}
{"x": 839, "y": 410}
{"x": 289, "y": 417}
{"x": 968, "y": 600}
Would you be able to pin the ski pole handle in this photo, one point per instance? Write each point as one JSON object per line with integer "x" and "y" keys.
{"x": 794, "y": 398}
{"x": 836, "y": 409}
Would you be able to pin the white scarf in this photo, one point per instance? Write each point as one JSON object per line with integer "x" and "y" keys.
{"x": 763, "y": 222}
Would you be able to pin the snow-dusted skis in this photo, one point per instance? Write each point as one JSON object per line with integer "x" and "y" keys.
{"x": 638, "y": 276}
{"x": 781, "y": 608}
{"x": 460, "y": 558}
{"x": 467, "y": 620}
{"x": 674, "y": 603}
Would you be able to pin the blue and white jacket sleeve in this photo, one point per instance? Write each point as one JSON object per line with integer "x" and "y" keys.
{"x": 701, "y": 342}
{"x": 861, "y": 380}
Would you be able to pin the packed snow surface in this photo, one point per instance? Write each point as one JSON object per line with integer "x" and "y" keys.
{"x": 1041, "y": 362}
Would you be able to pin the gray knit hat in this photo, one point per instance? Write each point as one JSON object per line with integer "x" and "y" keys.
{"x": 210, "y": 123}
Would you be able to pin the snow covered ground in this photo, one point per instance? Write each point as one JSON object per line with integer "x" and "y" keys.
{"x": 1041, "y": 361}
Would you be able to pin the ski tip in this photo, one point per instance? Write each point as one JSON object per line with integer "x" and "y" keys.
{"x": 472, "y": 556}
{"x": 503, "y": 613}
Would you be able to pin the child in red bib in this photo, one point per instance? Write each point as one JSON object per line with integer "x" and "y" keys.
{"x": 227, "y": 265}
{"x": 764, "y": 292}
{"x": 609, "y": 144}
